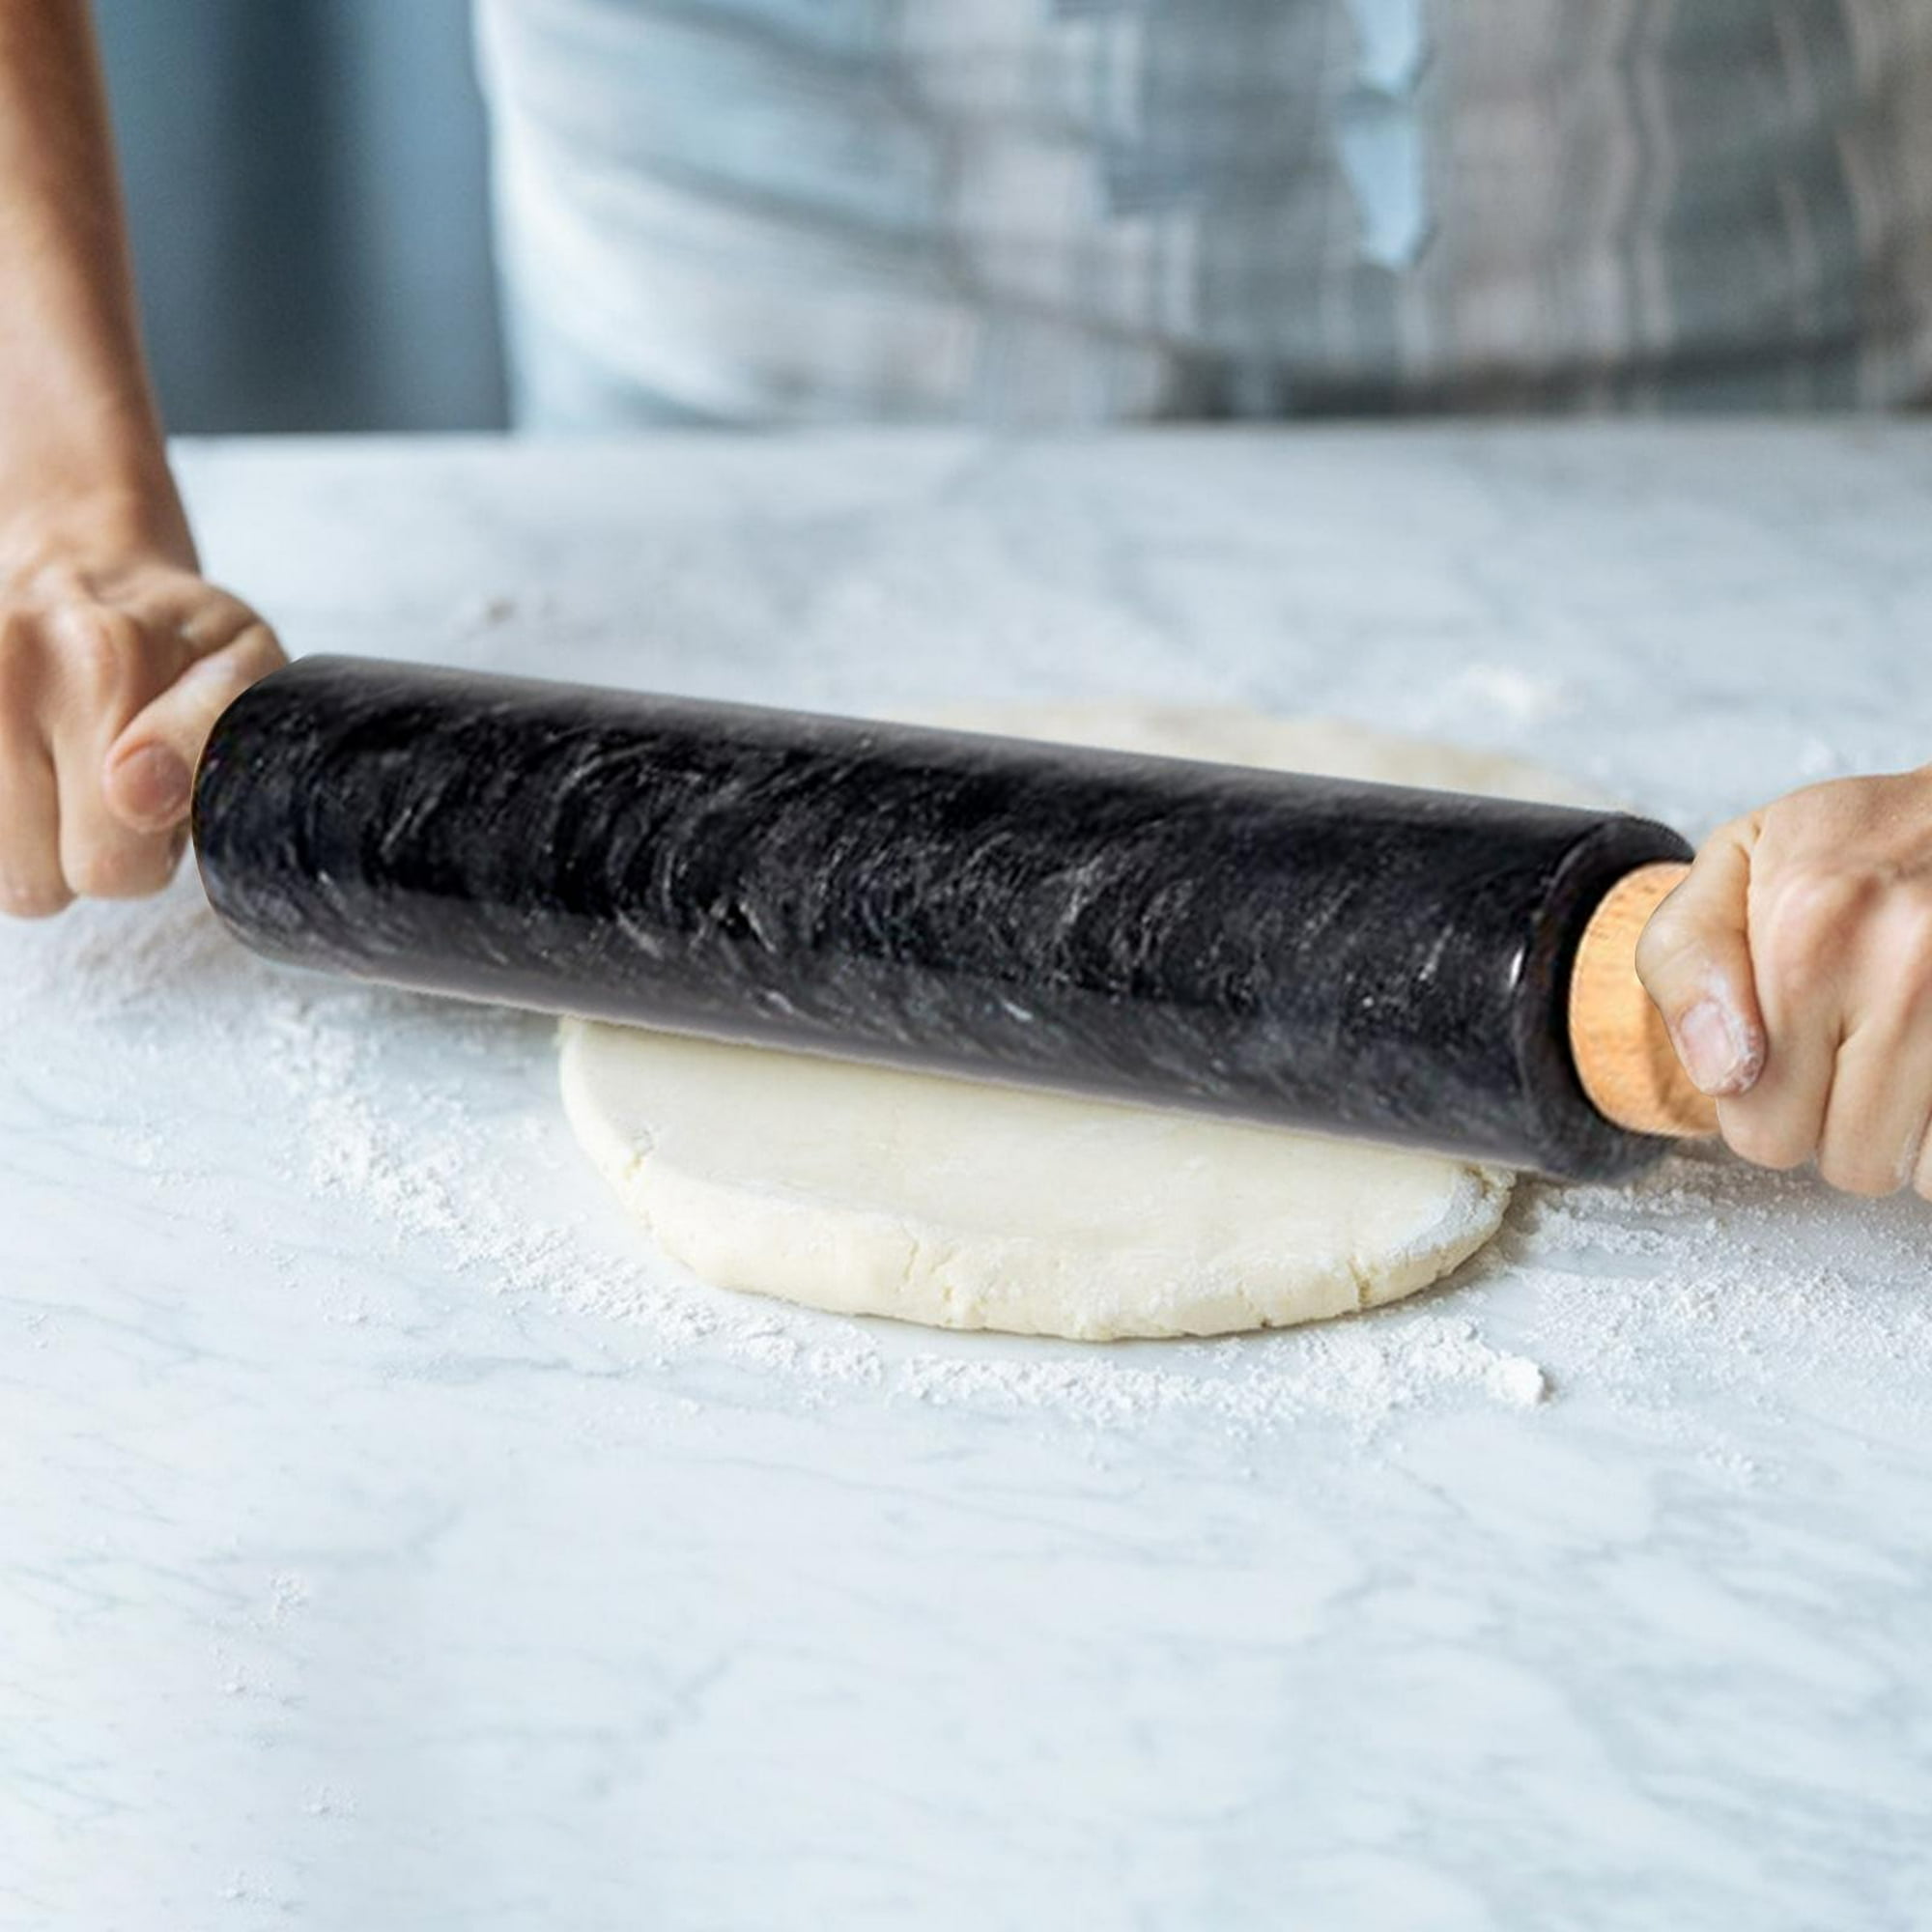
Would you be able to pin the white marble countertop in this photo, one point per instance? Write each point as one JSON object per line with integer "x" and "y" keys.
{"x": 387, "y": 1538}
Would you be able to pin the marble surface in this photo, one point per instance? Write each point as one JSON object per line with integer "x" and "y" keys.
{"x": 1299, "y": 952}
{"x": 386, "y": 1538}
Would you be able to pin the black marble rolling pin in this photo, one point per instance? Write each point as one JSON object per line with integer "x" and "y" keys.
{"x": 1412, "y": 966}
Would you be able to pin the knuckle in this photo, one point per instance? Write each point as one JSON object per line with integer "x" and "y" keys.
{"x": 94, "y": 875}
{"x": 1660, "y": 945}
{"x": 1826, "y": 813}
{"x": 116, "y": 869}
{"x": 265, "y": 650}
{"x": 218, "y": 681}
{"x": 255, "y": 653}
{"x": 1857, "y": 1174}
{"x": 25, "y": 895}
{"x": 216, "y": 616}
{"x": 1810, "y": 922}
{"x": 1766, "y": 1142}
{"x": 100, "y": 649}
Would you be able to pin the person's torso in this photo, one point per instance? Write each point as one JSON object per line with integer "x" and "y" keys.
{"x": 1083, "y": 210}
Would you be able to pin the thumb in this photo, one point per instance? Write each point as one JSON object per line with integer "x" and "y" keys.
{"x": 1695, "y": 961}
{"x": 149, "y": 770}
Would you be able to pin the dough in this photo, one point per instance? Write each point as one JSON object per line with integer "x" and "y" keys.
{"x": 876, "y": 1192}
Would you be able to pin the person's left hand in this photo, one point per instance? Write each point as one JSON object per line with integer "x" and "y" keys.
{"x": 1794, "y": 968}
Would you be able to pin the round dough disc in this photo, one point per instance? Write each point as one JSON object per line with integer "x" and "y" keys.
{"x": 875, "y": 1192}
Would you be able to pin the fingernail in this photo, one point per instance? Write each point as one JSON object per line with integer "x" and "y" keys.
{"x": 154, "y": 782}
{"x": 1711, "y": 1045}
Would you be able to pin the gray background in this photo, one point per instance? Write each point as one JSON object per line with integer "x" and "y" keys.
{"x": 307, "y": 182}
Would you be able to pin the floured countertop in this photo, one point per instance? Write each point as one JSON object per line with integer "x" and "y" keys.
{"x": 387, "y": 1537}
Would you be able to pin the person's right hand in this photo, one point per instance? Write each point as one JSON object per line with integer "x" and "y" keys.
{"x": 116, "y": 658}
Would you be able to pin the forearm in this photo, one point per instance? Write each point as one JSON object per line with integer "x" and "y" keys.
{"x": 79, "y": 433}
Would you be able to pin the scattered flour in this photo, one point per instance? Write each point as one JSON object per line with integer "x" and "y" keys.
{"x": 432, "y": 1167}
{"x": 434, "y": 1128}
{"x": 1521, "y": 696}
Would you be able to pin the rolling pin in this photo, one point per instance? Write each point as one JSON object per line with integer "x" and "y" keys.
{"x": 1424, "y": 968}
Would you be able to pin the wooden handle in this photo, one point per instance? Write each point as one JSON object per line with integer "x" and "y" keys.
{"x": 1617, "y": 1038}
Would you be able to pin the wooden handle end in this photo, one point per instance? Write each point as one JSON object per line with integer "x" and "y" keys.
{"x": 1623, "y": 1053}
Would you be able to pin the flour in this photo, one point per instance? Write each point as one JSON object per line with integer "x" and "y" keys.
{"x": 1750, "y": 1270}
{"x": 431, "y": 1128}
{"x": 434, "y": 1169}
{"x": 1506, "y": 691}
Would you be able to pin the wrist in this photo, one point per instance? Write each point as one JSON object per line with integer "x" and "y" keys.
{"x": 95, "y": 517}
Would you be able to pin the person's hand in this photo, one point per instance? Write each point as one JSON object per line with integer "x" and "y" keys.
{"x": 116, "y": 658}
{"x": 1794, "y": 967}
